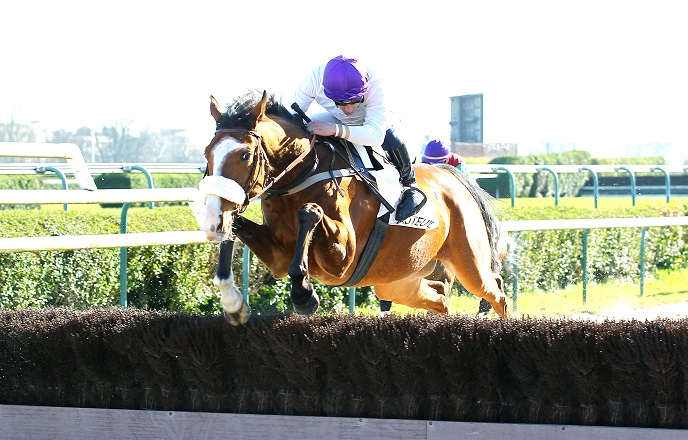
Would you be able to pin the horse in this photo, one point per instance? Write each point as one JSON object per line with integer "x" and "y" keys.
{"x": 320, "y": 229}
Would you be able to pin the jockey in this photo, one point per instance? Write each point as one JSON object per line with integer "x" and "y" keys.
{"x": 356, "y": 111}
{"x": 435, "y": 153}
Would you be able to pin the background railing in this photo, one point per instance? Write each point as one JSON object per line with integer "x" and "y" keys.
{"x": 479, "y": 171}
{"x": 593, "y": 170}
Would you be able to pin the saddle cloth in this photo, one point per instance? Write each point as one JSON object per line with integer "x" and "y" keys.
{"x": 390, "y": 188}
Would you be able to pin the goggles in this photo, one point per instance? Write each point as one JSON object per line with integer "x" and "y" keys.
{"x": 343, "y": 102}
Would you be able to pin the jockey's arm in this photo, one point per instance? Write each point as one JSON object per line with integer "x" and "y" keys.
{"x": 370, "y": 133}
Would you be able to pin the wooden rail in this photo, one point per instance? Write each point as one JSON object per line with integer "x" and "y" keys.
{"x": 69, "y": 152}
{"x": 587, "y": 223}
{"x": 48, "y": 423}
{"x": 71, "y": 242}
{"x": 48, "y": 196}
{"x": 103, "y": 168}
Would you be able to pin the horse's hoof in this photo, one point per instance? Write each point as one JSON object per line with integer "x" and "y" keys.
{"x": 241, "y": 316}
{"x": 502, "y": 309}
{"x": 309, "y": 307}
{"x": 506, "y": 312}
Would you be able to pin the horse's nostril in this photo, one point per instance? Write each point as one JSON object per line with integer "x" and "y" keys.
{"x": 212, "y": 228}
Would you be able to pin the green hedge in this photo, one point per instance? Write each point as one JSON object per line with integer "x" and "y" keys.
{"x": 160, "y": 277}
{"x": 179, "y": 278}
{"x": 552, "y": 259}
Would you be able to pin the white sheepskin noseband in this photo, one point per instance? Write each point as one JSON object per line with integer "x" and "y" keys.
{"x": 223, "y": 187}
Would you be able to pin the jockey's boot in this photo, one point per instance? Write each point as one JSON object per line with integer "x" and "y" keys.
{"x": 412, "y": 198}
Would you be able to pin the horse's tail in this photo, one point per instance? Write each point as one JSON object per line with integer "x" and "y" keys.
{"x": 506, "y": 247}
{"x": 489, "y": 211}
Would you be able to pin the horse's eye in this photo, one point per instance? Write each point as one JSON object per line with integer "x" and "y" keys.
{"x": 245, "y": 156}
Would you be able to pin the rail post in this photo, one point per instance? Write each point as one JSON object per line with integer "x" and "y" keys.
{"x": 642, "y": 260}
{"x": 667, "y": 181}
{"x": 586, "y": 232}
{"x": 556, "y": 183}
{"x": 515, "y": 300}
{"x": 595, "y": 183}
{"x": 123, "y": 294}
{"x": 245, "y": 268}
{"x": 512, "y": 182}
{"x": 633, "y": 191}
{"x": 60, "y": 174}
{"x": 352, "y": 300}
{"x": 149, "y": 178}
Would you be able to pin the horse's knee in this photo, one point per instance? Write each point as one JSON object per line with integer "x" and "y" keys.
{"x": 310, "y": 215}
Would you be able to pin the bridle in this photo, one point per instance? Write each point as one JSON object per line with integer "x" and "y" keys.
{"x": 262, "y": 162}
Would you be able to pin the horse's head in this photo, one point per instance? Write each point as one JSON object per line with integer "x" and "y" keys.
{"x": 238, "y": 160}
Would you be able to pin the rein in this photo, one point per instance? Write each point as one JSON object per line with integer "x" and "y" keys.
{"x": 266, "y": 163}
{"x": 296, "y": 161}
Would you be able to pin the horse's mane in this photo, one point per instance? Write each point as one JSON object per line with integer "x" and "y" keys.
{"x": 237, "y": 114}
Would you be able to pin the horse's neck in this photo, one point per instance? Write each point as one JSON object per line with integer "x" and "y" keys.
{"x": 288, "y": 151}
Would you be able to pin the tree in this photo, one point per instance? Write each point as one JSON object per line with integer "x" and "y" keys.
{"x": 13, "y": 132}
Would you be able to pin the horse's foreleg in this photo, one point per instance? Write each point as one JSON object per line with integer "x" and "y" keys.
{"x": 303, "y": 295}
{"x": 262, "y": 242}
{"x": 235, "y": 307}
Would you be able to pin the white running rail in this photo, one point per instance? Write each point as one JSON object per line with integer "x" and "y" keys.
{"x": 70, "y": 152}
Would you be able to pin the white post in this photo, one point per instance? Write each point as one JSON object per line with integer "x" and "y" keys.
{"x": 70, "y": 152}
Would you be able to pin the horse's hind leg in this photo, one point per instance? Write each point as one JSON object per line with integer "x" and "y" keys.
{"x": 416, "y": 293}
{"x": 485, "y": 285}
{"x": 504, "y": 246}
{"x": 441, "y": 279}
{"x": 471, "y": 262}
{"x": 485, "y": 306}
{"x": 303, "y": 295}
{"x": 445, "y": 278}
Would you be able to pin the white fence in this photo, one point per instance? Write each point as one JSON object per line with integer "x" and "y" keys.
{"x": 51, "y": 423}
{"x": 587, "y": 223}
{"x": 69, "y": 152}
{"x": 70, "y": 242}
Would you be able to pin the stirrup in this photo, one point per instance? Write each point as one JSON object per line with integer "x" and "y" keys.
{"x": 409, "y": 205}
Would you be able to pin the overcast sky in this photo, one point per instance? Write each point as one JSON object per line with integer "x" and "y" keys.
{"x": 600, "y": 74}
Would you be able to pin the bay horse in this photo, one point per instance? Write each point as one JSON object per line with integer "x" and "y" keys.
{"x": 261, "y": 149}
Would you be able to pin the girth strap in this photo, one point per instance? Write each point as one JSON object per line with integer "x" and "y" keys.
{"x": 370, "y": 250}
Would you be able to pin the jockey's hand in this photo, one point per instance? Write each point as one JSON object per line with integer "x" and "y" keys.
{"x": 321, "y": 128}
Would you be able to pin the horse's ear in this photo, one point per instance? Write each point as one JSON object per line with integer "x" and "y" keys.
{"x": 215, "y": 109}
{"x": 259, "y": 110}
